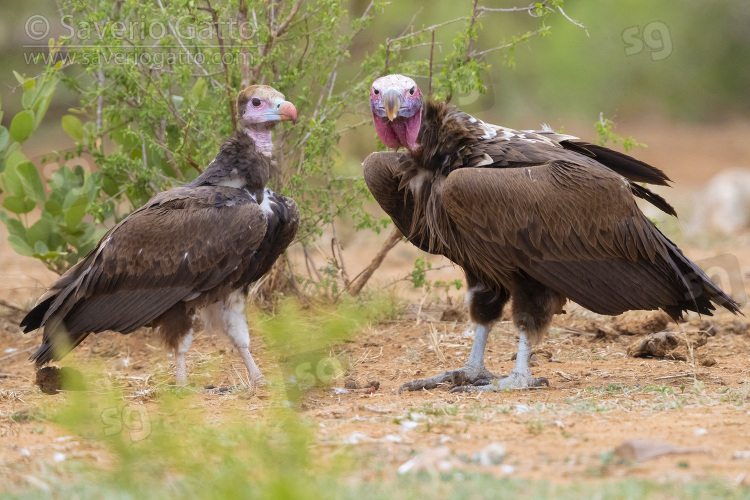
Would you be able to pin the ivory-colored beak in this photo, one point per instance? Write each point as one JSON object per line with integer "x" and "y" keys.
{"x": 392, "y": 103}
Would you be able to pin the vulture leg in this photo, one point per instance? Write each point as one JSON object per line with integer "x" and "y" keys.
{"x": 534, "y": 305}
{"x": 175, "y": 326}
{"x": 179, "y": 357}
{"x": 231, "y": 318}
{"x": 485, "y": 307}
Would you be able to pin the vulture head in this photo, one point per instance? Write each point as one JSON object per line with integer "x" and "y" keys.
{"x": 396, "y": 104}
{"x": 260, "y": 108}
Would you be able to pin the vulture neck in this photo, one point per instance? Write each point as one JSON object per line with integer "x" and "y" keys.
{"x": 239, "y": 164}
{"x": 260, "y": 133}
{"x": 440, "y": 136}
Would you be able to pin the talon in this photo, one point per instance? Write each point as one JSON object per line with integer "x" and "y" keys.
{"x": 461, "y": 388}
{"x": 539, "y": 382}
{"x": 482, "y": 381}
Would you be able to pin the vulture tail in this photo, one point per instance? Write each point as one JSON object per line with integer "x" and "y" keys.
{"x": 700, "y": 293}
{"x": 43, "y": 355}
{"x": 653, "y": 198}
{"x": 35, "y": 317}
{"x": 625, "y": 165}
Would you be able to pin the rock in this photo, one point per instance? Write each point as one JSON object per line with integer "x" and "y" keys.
{"x": 640, "y": 323}
{"x": 492, "y": 454}
{"x": 669, "y": 345}
{"x": 438, "y": 459}
{"x": 51, "y": 379}
{"x": 734, "y": 326}
{"x": 351, "y": 385}
{"x": 640, "y": 450}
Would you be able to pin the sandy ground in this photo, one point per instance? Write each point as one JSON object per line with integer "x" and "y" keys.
{"x": 598, "y": 397}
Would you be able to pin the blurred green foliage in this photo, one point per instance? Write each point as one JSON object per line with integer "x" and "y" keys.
{"x": 152, "y": 110}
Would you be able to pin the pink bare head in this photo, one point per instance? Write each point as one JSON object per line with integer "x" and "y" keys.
{"x": 396, "y": 104}
{"x": 263, "y": 104}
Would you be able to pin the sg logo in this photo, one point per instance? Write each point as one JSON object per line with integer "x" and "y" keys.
{"x": 133, "y": 418}
{"x": 655, "y": 35}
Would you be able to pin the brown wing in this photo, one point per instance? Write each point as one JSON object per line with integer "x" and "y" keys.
{"x": 383, "y": 172}
{"x": 182, "y": 242}
{"x": 577, "y": 230}
{"x": 454, "y": 139}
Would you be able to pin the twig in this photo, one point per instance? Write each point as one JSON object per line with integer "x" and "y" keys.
{"x": 432, "y": 51}
{"x": 244, "y": 52}
{"x": 436, "y": 343}
{"x": 17, "y": 353}
{"x": 359, "y": 281}
{"x": 13, "y": 306}
{"x": 559, "y": 7}
{"x": 220, "y": 41}
{"x": 681, "y": 375}
{"x": 179, "y": 40}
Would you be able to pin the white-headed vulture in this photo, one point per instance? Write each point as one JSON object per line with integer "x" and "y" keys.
{"x": 534, "y": 215}
{"x": 194, "y": 248}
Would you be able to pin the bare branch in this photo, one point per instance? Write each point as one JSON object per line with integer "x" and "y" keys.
{"x": 359, "y": 281}
{"x": 220, "y": 40}
{"x": 559, "y": 7}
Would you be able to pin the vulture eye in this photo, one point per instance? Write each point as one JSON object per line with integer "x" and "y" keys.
{"x": 256, "y": 102}
{"x": 376, "y": 91}
{"x": 411, "y": 91}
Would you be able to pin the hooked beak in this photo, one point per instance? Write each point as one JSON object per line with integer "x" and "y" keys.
{"x": 283, "y": 111}
{"x": 392, "y": 103}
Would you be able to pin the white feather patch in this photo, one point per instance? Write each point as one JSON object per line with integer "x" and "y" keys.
{"x": 233, "y": 183}
{"x": 415, "y": 184}
{"x": 486, "y": 160}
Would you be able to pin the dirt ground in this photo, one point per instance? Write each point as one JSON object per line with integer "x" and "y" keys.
{"x": 599, "y": 396}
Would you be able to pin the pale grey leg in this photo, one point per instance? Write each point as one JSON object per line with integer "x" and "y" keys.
{"x": 235, "y": 326}
{"x": 473, "y": 372}
{"x": 519, "y": 378}
{"x": 179, "y": 358}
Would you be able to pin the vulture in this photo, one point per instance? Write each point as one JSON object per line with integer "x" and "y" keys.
{"x": 536, "y": 216}
{"x": 192, "y": 249}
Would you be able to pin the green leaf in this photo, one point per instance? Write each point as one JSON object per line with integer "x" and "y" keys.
{"x": 73, "y": 126}
{"x": 20, "y": 246}
{"x": 15, "y": 226}
{"x": 22, "y": 125}
{"x": 40, "y": 248}
{"x": 74, "y": 214}
{"x": 200, "y": 89}
{"x": 18, "y": 76}
{"x": 18, "y": 205}
{"x": 4, "y": 135}
{"x": 40, "y": 231}
{"x": 32, "y": 183}
{"x": 53, "y": 206}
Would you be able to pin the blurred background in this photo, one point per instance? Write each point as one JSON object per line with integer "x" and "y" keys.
{"x": 674, "y": 75}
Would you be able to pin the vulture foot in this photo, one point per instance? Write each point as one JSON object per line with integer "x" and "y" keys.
{"x": 467, "y": 375}
{"x": 512, "y": 381}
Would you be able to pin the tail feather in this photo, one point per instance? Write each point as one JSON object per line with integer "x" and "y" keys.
{"x": 623, "y": 164}
{"x": 35, "y": 317}
{"x": 701, "y": 293}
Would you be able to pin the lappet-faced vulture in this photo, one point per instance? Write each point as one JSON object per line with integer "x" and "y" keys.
{"x": 193, "y": 248}
{"x": 537, "y": 216}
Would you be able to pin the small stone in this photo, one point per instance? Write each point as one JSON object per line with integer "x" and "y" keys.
{"x": 351, "y": 385}
{"x": 492, "y": 454}
{"x": 698, "y": 431}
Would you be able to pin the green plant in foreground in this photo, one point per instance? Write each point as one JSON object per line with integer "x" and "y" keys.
{"x": 151, "y": 113}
